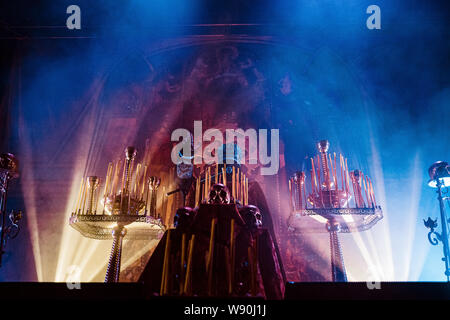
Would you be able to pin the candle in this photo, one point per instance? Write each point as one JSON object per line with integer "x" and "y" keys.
{"x": 342, "y": 171}
{"x": 216, "y": 176}
{"x": 143, "y": 183}
{"x": 331, "y": 175}
{"x": 224, "y": 175}
{"x": 290, "y": 194}
{"x": 136, "y": 180}
{"x": 233, "y": 184}
{"x": 206, "y": 183}
{"x": 83, "y": 198}
{"x": 78, "y": 203}
{"x": 204, "y": 186}
{"x": 346, "y": 176}
{"x": 242, "y": 187}
{"x": 228, "y": 270}
{"x": 211, "y": 255}
{"x": 232, "y": 254}
{"x": 209, "y": 179}
{"x": 164, "y": 277}
{"x": 251, "y": 263}
{"x": 187, "y": 282}
{"x": 183, "y": 258}
{"x": 313, "y": 176}
{"x": 365, "y": 189}
{"x": 108, "y": 179}
{"x": 246, "y": 183}
{"x": 304, "y": 195}
{"x": 319, "y": 185}
{"x": 246, "y": 191}
{"x": 238, "y": 185}
{"x": 197, "y": 191}
{"x": 115, "y": 184}
{"x": 373, "y": 194}
{"x": 335, "y": 173}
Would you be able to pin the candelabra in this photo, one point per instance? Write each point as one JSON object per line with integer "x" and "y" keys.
{"x": 228, "y": 175}
{"x": 337, "y": 200}
{"x": 128, "y": 208}
{"x": 440, "y": 178}
{"x": 9, "y": 167}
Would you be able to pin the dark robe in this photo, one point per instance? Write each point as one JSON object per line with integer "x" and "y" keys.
{"x": 268, "y": 282}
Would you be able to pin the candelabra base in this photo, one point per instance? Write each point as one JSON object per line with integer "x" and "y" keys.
{"x": 113, "y": 271}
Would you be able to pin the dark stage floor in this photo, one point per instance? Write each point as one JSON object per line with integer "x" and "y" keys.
{"x": 294, "y": 291}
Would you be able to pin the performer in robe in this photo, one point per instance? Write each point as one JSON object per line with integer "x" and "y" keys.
{"x": 218, "y": 249}
{"x": 186, "y": 175}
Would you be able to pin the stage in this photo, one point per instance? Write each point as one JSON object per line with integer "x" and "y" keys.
{"x": 264, "y": 153}
{"x": 312, "y": 291}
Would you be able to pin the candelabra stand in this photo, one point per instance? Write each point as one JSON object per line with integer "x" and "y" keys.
{"x": 440, "y": 178}
{"x": 9, "y": 167}
{"x": 127, "y": 211}
{"x": 331, "y": 204}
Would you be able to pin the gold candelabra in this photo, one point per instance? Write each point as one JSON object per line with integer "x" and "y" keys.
{"x": 231, "y": 176}
{"x": 342, "y": 200}
{"x": 128, "y": 207}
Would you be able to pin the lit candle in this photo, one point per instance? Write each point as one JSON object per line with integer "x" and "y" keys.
{"x": 83, "y": 198}
{"x": 143, "y": 183}
{"x": 346, "y": 176}
{"x": 204, "y": 186}
{"x": 331, "y": 175}
{"x": 165, "y": 273}
{"x": 313, "y": 176}
{"x": 108, "y": 178}
{"x": 373, "y": 194}
{"x": 216, "y": 177}
{"x": 211, "y": 255}
{"x": 290, "y": 194}
{"x": 319, "y": 185}
{"x": 224, "y": 175}
{"x": 238, "y": 185}
{"x": 369, "y": 190}
{"x": 209, "y": 178}
{"x": 136, "y": 180}
{"x": 233, "y": 184}
{"x": 342, "y": 171}
{"x": 246, "y": 191}
{"x": 228, "y": 269}
{"x": 187, "y": 282}
{"x": 80, "y": 193}
{"x": 365, "y": 188}
{"x": 197, "y": 191}
{"x": 304, "y": 195}
{"x": 232, "y": 249}
{"x": 251, "y": 263}
{"x": 336, "y": 187}
{"x": 206, "y": 182}
{"x": 115, "y": 184}
{"x": 183, "y": 258}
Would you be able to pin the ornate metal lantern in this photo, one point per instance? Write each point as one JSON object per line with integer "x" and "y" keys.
{"x": 440, "y": 178}
{"x": 9, "y": 169}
